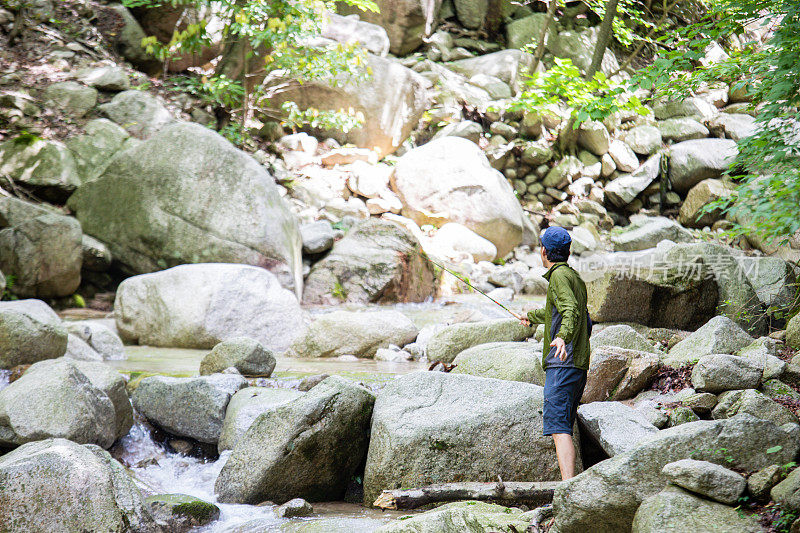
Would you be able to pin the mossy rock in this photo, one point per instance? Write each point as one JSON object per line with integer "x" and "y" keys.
{"x": 181, "y": 512}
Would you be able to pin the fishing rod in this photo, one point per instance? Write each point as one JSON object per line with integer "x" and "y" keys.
{"x": 467, "y": 283}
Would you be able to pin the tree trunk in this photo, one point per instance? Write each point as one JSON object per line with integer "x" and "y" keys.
{"x": 603, "y": 38}
{"x": 537, "y": 56}
{"x": 530, "y": 493}
{"x": 494, "y": 18}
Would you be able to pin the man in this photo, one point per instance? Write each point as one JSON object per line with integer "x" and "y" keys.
{"x": 567, "y": 327}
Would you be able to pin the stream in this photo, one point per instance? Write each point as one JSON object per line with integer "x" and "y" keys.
{"x": 162, "y": 471}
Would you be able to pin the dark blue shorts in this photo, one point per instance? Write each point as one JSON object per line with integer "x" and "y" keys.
{"x": 563, "y": 388}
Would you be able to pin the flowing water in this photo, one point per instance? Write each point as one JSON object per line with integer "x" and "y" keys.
{"x": 161, "y": 471}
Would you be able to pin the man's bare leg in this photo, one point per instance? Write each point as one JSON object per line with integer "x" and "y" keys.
{"x": 565, "y": 450}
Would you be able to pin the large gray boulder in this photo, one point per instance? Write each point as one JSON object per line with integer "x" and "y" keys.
{"x": 377, "y": 261}
{"x": 702, "y": 194}
{"x": 434, "y": 427}
{"x": 158, "y": 204}
{"x": 467, "y": 190}
{"x": 616, "y": 427}
{"x": 720, "y": 335}
{"x": 622, "y": 336}
{"x": 114, "y": 385}
{"x": 579, "y": 47}
{"x": 706, "y": 479}
{"x": 187, "y": 407}
{"x": 392, "y": 100}
{"x": 793, "y": 332}
{"x": 56, "y": 399}
{"x": 445, "y": 344}
{"x": 647, "y": 232}
{"x": 94, "y": 149}
{"x": 40, "y": 248}
{"x": 464, "y": 517}
{"x": 353, "y": 333}
{"x": 79, "y": 350}
{"x": 141, "y": 114}
{"x": 307, "y": 448}
{"x": 99, "y": 337}
{"x": 70, "y": 97}
{"x": 506, "y": 65}
{"x": 350, "y": 30}
{"x": 624, "y": 189}
{"x": 753, "y": 403}
{"x": 246, "y": 355}
{"x": 198, "y": 306}
{"x": 773, "y": 279}
{"x": 58, "y": 485}
{"x": 605, "y": 497}
{"x": 674, "y": 509}
{"x": 247, "y": 405}
{"x": 29, "y": 332}
{"x": 45, "y": 166}
{"x": 513, "y": 361}
{"x": 406, "y": 21}
{"x": 691, "y": 162}
{"x": 720, "y": 372}
{"x": 526, "y": 30}
{"x": 695, "y": 107}
{"x": 681, "y": 129}
{"x": 787, "y": 492}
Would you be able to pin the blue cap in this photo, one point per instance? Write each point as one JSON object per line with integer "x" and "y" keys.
{"x": 556, "y": 238}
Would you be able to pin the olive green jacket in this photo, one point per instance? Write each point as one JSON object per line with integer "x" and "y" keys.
{"x": 564, "y": 315}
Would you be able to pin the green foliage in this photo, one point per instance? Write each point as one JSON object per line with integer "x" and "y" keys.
{"x": 767, "y": 169}
{"x": 339, "y": 291}
{"x": 7, "y": 294}
{"x": 26, "y": 138}
{"x": 78, "y": 301}
{"x": 276, "y": 43}
{"x": 631, "y": 23}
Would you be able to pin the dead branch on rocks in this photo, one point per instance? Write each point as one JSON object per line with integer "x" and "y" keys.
{"x": 530, "y": 493}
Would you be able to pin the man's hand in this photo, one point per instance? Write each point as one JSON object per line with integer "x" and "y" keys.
{"x": 525, "y": 322}
{"x": 561, "y": 348}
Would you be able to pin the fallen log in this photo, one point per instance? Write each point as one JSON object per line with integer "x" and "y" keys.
{"x": 529, "y": 493}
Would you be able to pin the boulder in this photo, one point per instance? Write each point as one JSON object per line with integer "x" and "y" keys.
{"x": 308, "y": 448}
{"x": 624, "y": 158}
{"x": 594, "y": 136}
{"x": 377, "y": 261}
{"x": 644, "y": 139}
{"x": 720, "y": 372}
{"x": 125, "y": 35}
{"x": 71, "y": 97}
{"x": 527, "y": 30}
{"x": 79, "y": 350}
{"x": 674, "y": 509}
{"x": 158, "y": 204}
{"x": 682, "y": 415}
{"x": 246, "y": 355}
{"x": 294, "y": 508}
{"x": 616, "y": 427}
{"x": 691, "y": 162}
{"x": 391, "y": 102}
{"x": 793, "y": 332}
{"x": 99, "y": 337}
{"x": 467, "y": 190}
{"x": 406, "y": 22}
{"x": 564, "y": 172}
{"x": 114, "y": 385}
{"x": 699, "y": 196}
{"x": 350, "y": 30}
{"x": 513, "y": 361}
{"x": 317, "y": 237}
{"x": 464, "y": 517}
{"x": 56, "y": 399}
{"x": 141, "y": 114}
{"x": 105, "y": 78}
{"x": 787, "y": 492}
{"x": 45, "y": 166}
{"x": 187, "y": 407}
{"x": 245, "y": 406}
{"x": 606, "y": 496}
{"x": 454, "y": 240}
{"x": 622, "y": 336}
{"x": 44, "y": 255}
{"x": 96, "y": 255}
{"x": 773, "y": 279}
{"x": 94, "y": 149}
{"x": 445, "y": 344}
{"x": 618, "y": 374}
{"x": 624, "y": 189}
{"x": 733, "y": 126}
{"x": 706, "y": 479}
{"x": 181, "y": 512}
{"x": 466, "y": 129}
{"x": 720, "y": 335}
{"x": 760, "y": 483}
{"x": 579, "y": 47}
{"x": 29, "y": 332}
{"x": 198, "y": 306}
{"x": 690, "y": 107}
{"x": 681, "y": 129}
{"x": 507, "y": 65}
{"x": 753, "y": 403}
{"x": 648, "y": 232}
{"x": 58, "y": 485}
{"x": 763, "y": 352}
{"x": 433, "y": 427}
{"x": 353, "y": 333}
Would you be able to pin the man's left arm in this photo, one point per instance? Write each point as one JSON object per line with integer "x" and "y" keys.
{"x": 567, "y": 305}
